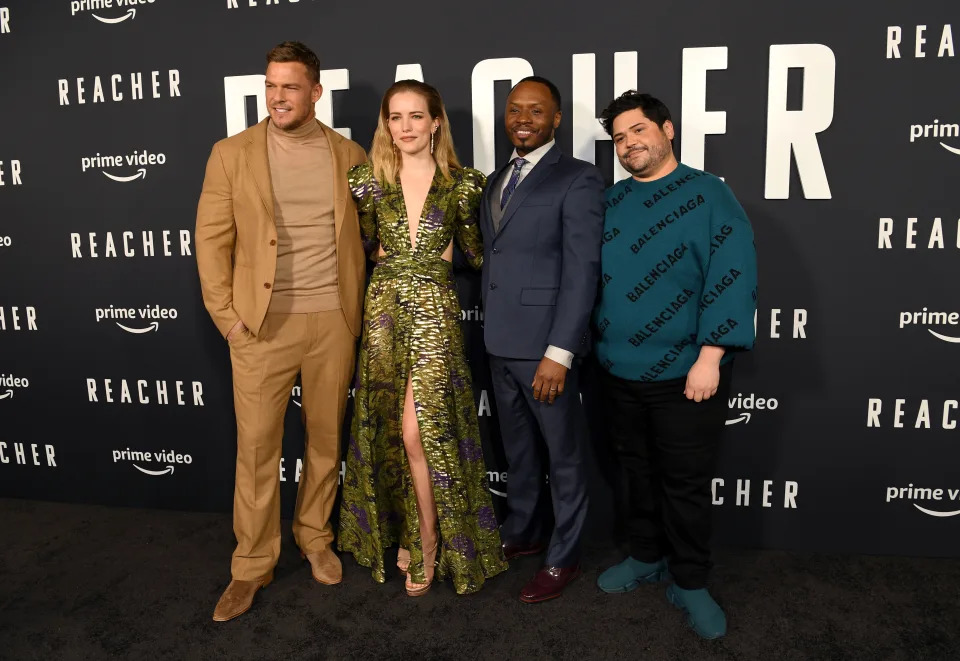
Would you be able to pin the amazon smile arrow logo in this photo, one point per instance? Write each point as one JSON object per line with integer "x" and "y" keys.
{"x": 935, "y": 513}
{"x": 744, "y": 417}
{"x": 945, "y": 338}
{"x": 949, "y": 148}
{"x": 131, "y": 13}
{"x": 165, "y": 471}
{"x": 141, "y": 174}
{"x": 7, "y": 395}
{"x": 152, "y": 327}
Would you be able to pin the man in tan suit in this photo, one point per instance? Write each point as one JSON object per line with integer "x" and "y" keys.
{"x": 282, "y": 273}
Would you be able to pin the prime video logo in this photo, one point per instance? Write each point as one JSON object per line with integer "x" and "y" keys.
{"x": 912, "y": 493}
{"x": 149, "y": 315}
{"x": 168, "y": 457}
{"x": 926, "y": 318}
{"x": 936, "y": 131}
{"x": 8, "y": 382}
{"x": 133, "y": 159}
{"x": 746, "y": 406}
{"x": 77, "y": 6}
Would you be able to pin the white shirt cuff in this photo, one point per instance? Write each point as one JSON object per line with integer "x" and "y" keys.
{"x": 559, "y": 355}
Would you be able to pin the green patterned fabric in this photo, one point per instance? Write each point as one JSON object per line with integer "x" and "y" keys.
{"x": 411, "y": 326}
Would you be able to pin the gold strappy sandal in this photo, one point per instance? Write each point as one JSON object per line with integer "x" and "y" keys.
{"x": 429, "y": 560}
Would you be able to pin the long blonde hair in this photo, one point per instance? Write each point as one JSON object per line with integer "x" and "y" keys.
{"x": 385, "y": 157}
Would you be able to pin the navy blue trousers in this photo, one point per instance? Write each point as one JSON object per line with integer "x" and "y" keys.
{"x": 525, "y": 426}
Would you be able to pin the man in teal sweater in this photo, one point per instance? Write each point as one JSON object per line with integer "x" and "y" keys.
{"x": 679, "y": 291}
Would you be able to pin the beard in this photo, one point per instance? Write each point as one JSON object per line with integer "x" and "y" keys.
{"x": 650, "y": 158}
{"x": 535, "y": 140}
{"x": 292, "y": 120}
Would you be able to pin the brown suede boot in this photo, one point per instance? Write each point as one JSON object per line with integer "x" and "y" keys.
{"x": 238, "y": 598}
{"x": 325, "y": 566}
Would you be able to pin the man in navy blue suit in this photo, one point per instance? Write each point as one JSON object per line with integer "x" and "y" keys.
{"x": 542, "y": 222}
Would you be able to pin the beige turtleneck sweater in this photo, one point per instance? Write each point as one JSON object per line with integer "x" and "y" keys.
{"x": 301, "y": 172}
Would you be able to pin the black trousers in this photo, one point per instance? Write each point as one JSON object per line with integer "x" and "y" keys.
{"x": 667, "y": 446}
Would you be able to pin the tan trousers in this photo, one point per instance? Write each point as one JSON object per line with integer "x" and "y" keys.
{"x": 321, "y": 347}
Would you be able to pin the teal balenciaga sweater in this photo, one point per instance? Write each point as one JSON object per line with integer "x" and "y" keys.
{"x": 679, "y": 272}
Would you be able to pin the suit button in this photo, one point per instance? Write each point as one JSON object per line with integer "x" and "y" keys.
{"x": 496, "y": 251}
{"x": 266, "y": 285}
{"x": 493, "y": 285}
{"x": 273, "y": 242}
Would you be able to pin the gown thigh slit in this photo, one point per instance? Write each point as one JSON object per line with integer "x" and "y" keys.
{"x": 411, "y": 329}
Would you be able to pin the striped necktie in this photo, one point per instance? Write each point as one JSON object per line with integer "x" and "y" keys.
{"x": 511, "y": 186}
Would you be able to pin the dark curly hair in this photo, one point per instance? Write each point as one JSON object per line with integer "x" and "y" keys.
{"x": 652, "y": 107}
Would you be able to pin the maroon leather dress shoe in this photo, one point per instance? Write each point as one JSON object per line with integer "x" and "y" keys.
{"x": 548, "y": 583}
{"x": 511, "y": 550}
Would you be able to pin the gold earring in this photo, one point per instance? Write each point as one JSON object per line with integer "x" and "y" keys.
{"x": 431, "y": 142}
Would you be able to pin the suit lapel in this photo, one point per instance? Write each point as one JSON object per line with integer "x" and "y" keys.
{"x": 255, "y": 152}
{"x": 491, "y": 195}
{"x": 340, "y": 166}
{"x": 540, "y": 172}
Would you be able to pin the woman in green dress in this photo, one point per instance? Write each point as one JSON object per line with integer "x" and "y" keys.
{"x": 415, "y": 474}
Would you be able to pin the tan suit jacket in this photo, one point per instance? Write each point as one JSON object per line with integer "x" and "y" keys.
{"x": 236, "y": 233}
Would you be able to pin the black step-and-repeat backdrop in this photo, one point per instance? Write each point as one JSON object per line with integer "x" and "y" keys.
{"x": 838, "y": 129}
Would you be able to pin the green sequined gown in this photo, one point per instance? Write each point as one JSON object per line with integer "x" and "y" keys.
{"x": 411, "y": 325}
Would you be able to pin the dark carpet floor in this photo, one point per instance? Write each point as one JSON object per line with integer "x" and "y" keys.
{"x": 87, "y": 582}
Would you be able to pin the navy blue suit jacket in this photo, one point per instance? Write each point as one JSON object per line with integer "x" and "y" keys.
{"x": 540, "y": 270}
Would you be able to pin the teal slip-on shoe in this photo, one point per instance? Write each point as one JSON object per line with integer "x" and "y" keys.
{"x": 630, "y": 574}
{"x": 704, "y": 615}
